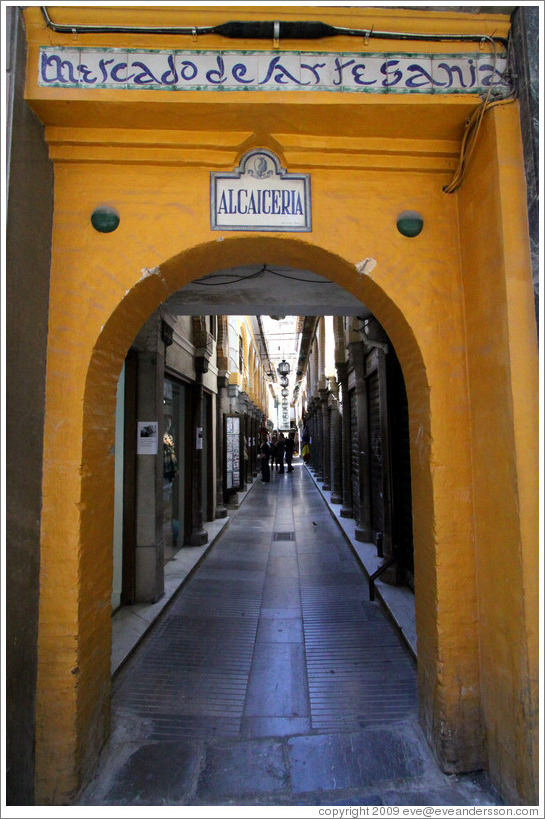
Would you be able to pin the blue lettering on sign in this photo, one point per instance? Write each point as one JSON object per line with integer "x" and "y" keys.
{"x": 217, "y": 77}
{"x": 339, "y": 65}
{"x": 58, "y": 65}
{"x": 282, "y": 76}
{"x": 420, "y": 72}
{"x": 146, "y": 76}
{"x": 120, "y": 67}
{"x": 239, "y": 72}
{"x": 89, "y": 68}
{"x": 102, "y": 65}
{"x": 452, "y": 70}
{"x": 171, "y": 73}
{"x": 489, "y": 80}
{"x": 241, "y": 208}
{"x": 273, "y": 202}
{"x": 86, "y": 74}
{"x": 357, "y": 73}
{"x": 397, "y": 75}
{"x": 314, "y": 71}
{"x": 188, "y": 71}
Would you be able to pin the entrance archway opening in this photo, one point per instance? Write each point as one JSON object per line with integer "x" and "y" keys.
{"x": 383, "y": 476}
{"x": 179, "y": 283}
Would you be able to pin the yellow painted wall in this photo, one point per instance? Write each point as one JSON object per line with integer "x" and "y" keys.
{"x": 502, "y": 367}
{"x": 370, "y": 158}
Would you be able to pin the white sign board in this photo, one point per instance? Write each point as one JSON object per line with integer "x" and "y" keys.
{"x": 260, "y": 195}
{"x": 148, "y": 438}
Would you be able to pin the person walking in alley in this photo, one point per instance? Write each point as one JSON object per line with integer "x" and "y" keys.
{"x": 289, "y": 447}
{"x": 263, "y": 457}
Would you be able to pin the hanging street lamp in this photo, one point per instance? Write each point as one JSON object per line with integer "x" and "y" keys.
{"x": 283, "y": 368}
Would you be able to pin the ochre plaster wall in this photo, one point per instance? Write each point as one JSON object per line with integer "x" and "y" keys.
{"x": 502, "y": 368}
{"x": 369, "y": 159}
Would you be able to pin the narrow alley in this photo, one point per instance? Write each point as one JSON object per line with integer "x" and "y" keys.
{"x": 271, "y": 679}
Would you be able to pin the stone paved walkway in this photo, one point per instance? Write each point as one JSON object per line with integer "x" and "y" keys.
{"x": 272, "y": 680}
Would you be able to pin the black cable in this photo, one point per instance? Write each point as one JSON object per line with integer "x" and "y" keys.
{"x": 267, "y": 29}
{"x": 233, "y": 281}
{"x": 296, "y": 279}
{"x": 264, "y": 269}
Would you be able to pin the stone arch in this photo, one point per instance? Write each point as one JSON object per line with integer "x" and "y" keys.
{"x": 88, "y": 620}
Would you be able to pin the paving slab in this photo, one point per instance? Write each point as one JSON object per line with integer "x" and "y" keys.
{"x": 242, "y": 769}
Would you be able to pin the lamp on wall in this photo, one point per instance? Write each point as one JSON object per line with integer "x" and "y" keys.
{"x": 410, "y": 223}
{"x": 105, "y": 219}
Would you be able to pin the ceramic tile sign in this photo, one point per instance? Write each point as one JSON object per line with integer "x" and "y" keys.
{"x": 92, "y": 68}
{"x": 260, "y": 195}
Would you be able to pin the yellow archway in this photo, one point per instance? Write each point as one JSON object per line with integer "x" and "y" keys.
{"x": 88, "y": 626}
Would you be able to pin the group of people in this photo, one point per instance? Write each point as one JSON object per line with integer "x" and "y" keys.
{"x": 273, "y": 452}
